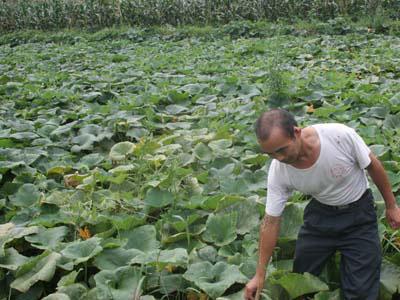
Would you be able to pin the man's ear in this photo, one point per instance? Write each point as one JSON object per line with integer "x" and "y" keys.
{"x": 297, "y": 131}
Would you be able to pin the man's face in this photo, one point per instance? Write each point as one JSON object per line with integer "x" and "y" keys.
{"x": 282, "y": 147}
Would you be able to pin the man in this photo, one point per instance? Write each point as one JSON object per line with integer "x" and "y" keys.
{"x": 326, "y": 161}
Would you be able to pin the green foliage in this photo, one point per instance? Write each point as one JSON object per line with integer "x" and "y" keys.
{"x": 119, "y": 284}
{"x": 221, "y": 229}
{"x": 129, "y": 164}
{"x": 37, "y": 268}
{"x": 214, "y": 279}
{"x": 298, "y": 284}
{"x": 82, "y": 251}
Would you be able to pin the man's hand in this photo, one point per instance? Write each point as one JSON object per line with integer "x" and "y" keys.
{"x": 381, "y": 180}
{"x": 393, "y": 217}
{"x": 269, "y": 231}
{"x": 254, "y": 287}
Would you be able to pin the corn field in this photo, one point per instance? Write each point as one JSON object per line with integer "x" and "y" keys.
{"x": 58, "y": 14}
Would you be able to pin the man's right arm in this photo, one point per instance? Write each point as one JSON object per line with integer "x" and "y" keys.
{"x": 269, "y": 231}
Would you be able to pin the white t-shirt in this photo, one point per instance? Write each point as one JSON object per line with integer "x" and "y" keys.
{"x": 336, "y": 178}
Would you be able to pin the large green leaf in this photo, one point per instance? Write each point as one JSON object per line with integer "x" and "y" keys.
{"x": 142, "y": 238}
{"x": 292, "y": 220}
{"x": 81, "y": 251}
{"x": 68, "y": 279}
{"x": 158, "y": 198}
{"x": 27, "y": 195}
{"x": 221, "y": 148}
{"x": 64, "y": 128}
{"x": 111, "y": 259}
{"x": 12, "y": 259}
{"x": 124, "y": 221}
{"x": 73, "y": 291}
{"x": 221, "y": 229}
{"x": 121, "y": 150}
{"x": 248, "y": 216}
{"x": 10, "y": 232}
{"x": 48, "y": 238}
{"x": 34, "y": 293}
{"x": 202, "y": 152}
{"x": 300, "y": 284}
{"x": 214, "y": 279}
{"x": 390, "y": 277}
{"x": 83, "y": 142}
{"x": 119, "y": 284}
{"x": 175, "y": 257}
{"x": 57, "y": 296}
{"x": 90, "y": 160}
{"x": 38, "y": 268}
{"x": 392, "y": 121}
{"x": 166, "y": 283}
{"x": 232, "y": 185}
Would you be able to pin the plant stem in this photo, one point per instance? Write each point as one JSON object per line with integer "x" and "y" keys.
{"x": 86, "y": 272}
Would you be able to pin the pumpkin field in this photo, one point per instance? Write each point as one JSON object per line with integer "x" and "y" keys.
{"x": 130, "y": 169}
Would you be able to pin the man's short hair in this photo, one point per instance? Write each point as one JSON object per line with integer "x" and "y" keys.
{"x": 279, "y": 118}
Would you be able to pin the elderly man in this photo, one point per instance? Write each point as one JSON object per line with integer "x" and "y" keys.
{"x": 328, "y": 162}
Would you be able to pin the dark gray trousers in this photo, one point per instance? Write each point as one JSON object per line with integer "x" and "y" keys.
{"x": 353, "y": 231}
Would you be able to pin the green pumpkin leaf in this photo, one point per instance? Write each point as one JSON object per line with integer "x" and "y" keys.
{"x": 10, "y": 232}
{"x": 90, "y": 160}
{"x": 292, "y": 220}
{"x": 142, "y": 238}
{"x": 214, "y": 279}
{"x": 73, "y": 291}
{"x": 121, "y": 151}
{"x": 392, "y": 122}
{"x": 57, "y": 296}
{"x": 12, "y": 259}
{"x": 221, "y": 229}
{"x": 120, "y": 284}
{"x": 236, "y": 186}
{"x": 21, "y": 136}
{"x": 39, "y": 268}
{"x": 158, "y": 198}
{"x": 64, "y": 129}
{"x": 390, "y": 277}
{"x": 395, "y": 100}
{"x": 221, "y": 148}
{"x": 202, "y": 152}
{"x": 175, "y": 257}
{"x": 27, "y": 195}
{"x": 248, "y": 216}
{"x": 378, "y": 112}
{"x": 81, "y": 251}
{"x": 300, "y": 284}
{"x": 124, "y": 221}
{"x": 69, "y": 279}
{"x": 174, "y": 109}
{"x": 47, "y": 238}
{"x": 379, "y": 150}
{"x": 83, "y": 142}
{"x": 111, "y": 259}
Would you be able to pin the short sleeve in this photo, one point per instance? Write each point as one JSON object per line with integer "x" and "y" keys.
{"x": 278, "y": 192}
{"x": 361, "y": 151}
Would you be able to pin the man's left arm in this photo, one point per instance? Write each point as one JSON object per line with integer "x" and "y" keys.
{"x": 381, "y": 180}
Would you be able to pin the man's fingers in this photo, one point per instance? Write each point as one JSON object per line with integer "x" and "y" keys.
{"x": 249, "y": 293}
